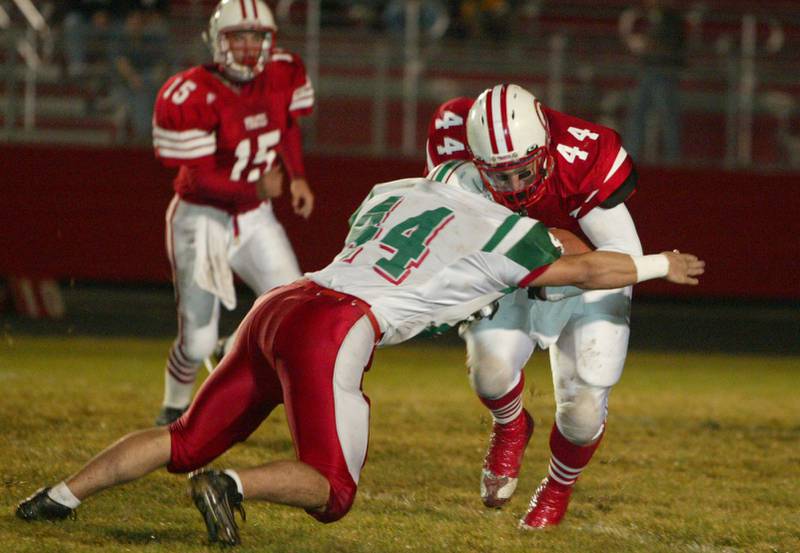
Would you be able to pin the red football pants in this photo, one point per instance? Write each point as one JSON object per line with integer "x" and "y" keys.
{"x": 307, "y": 347}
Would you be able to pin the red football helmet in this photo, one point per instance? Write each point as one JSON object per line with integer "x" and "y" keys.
{"x": 508, "y": 137}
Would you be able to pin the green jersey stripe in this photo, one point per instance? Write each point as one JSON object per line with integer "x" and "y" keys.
{"x": 534, "y": 249}
{"x": 501, "y": 232}
{"x": 445, "y": 169}
{"x": 357, "y": 212}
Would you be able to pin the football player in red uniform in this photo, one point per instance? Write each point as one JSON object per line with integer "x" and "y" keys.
{"x": 572, "y": 174}
{"x": 231, "y": 129}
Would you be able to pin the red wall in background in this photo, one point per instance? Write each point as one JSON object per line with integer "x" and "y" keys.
{"x": 98, "y": 214}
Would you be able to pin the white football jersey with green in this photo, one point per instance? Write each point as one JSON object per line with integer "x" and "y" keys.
{"x": 426, "y": 255}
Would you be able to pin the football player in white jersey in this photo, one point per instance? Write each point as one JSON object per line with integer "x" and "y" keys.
{"x": 419, "y": 254}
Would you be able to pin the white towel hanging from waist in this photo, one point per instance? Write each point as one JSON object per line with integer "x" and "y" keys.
{"x": 212, "y": 272}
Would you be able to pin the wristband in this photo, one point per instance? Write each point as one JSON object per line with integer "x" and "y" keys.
{"x": 650, "y": 266}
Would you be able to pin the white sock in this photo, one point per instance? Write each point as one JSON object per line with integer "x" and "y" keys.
{"x": 60, "y": 493}
{"x": 235, "y": 476}
{"x": 177, "y": 394}
{"x": 179, "y": 378}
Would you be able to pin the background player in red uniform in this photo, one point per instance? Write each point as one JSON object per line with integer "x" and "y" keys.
{"x": 570, "y": 174}
{"x": 231, "y": 129}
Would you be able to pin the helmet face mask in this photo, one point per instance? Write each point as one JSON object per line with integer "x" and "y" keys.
{"x": 517, "y": 185}
{"x": 233, "y": 33}
{"x": 508, "y": 137}
{"x": 246, "y": 48}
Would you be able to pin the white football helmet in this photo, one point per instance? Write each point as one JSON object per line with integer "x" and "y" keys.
{"x": 509, "y": 138}
{"x": 240, "y": 15}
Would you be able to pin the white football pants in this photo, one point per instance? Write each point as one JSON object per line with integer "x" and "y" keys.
{"x": 260, "y": 254}
{"x": 588, "y": 340}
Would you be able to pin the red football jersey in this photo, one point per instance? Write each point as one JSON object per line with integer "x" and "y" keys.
{"x": 590, "y": 164}
{"x": 223, "y": 138}
{"x": 447, "y": 132}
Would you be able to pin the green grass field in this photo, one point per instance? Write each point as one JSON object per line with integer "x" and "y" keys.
{"x": 701, "y": 455}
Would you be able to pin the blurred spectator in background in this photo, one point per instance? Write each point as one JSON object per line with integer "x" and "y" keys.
{"x": 141, "y": 57}
{"x": 433, "y": 17}
{"x": 88, "y": 26}
{"x": 346, "y": 13}
{"x": 489, "y": 18}
{"x": 656, "y": 35}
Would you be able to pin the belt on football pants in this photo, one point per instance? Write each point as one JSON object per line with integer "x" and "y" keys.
{"x": 363, "y": 306}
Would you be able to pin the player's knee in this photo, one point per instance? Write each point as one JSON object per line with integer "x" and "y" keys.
{"x": 581, "y": 417}
{"x": 340, "y": 500}
{"x": 491, "y": 376}
{"x": 187, "y": 453}
{"x": 494, "y": 359}
{"x": 199, "y": 344}
{"x": 181, "y": 464}
{"x": 602, "y": 352}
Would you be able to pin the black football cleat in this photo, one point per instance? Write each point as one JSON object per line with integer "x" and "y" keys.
{"x": 168, "y": 415}
{"x": 39, "y": 506}
{"x": 215, "y": 495}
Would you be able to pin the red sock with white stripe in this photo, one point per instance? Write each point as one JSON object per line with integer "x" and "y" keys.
{"x": 551, "y": 499}
{"x": 179, "y": 378}
{"x": 568, "y": 460}
{"x": 507, "y": 407}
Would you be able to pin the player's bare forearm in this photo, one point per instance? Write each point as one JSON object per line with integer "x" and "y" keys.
{"x": 604, "y": 270}
{"x": 590, "y": 271}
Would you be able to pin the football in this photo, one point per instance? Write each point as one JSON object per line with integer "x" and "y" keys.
{"x": 572, "y": 244}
